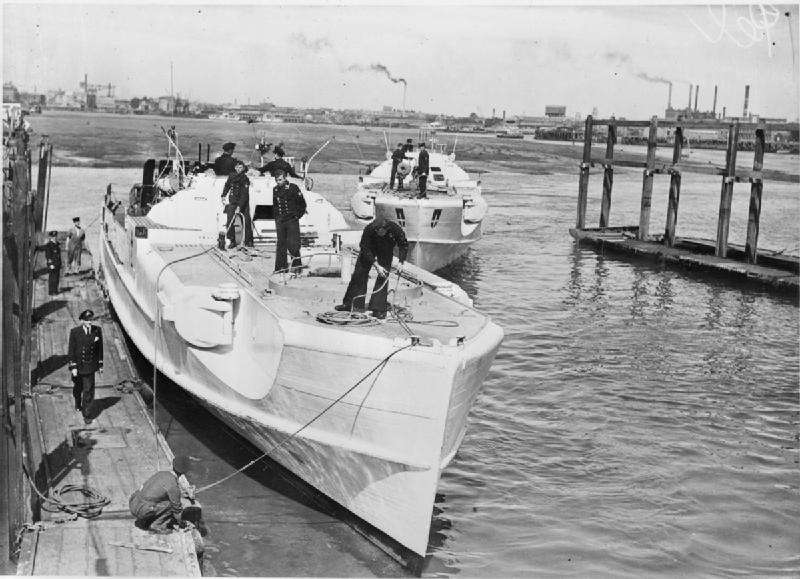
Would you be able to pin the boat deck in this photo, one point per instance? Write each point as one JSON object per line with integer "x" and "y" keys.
{"x": 303, "y": 298}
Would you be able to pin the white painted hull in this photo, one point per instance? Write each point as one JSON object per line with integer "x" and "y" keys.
{"x": 378, "y": 452}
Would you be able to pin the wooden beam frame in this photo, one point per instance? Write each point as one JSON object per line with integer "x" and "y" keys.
{"x": 608, "y": 174}
{"x": 756, "y": 189}
{"x": 583, "y": 181}
{"x": 647, "y": 181}
{"x": 674, "y": 190}
{"x": 726, "y": 193}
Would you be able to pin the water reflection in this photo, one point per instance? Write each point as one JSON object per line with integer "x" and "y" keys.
{"x": 464, "y": 272}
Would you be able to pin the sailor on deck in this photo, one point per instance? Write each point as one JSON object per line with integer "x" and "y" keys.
{"x": 237, "y": 187}
{"x": 397, "y": 157}
{"x": 75, "y": 241}
{"x": 377, "y": 246}
{"x": 278, "y": 164}
{"x": 423, "y": 167}
{"x": 85, "y": 354}
{"x": 52, "y": 252}
{"x": 225, "y": 164}
{"x": 289, "y": 205}
{"x": 157, "y": 503}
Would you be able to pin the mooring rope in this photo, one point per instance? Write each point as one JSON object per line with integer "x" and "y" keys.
{"x": 277, "y": 445}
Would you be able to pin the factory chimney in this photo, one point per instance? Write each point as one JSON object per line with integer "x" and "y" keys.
{"x": 504, "y": 115}
{"x": 696, "y": 93}
{"x": 493, "y": 115}
{"x": 746, "y": 100}
{"x": 669, "y": 98}
{"x": 689, "y": 106}
{"x": 724, "y": 112}
{"x": 714, "y": 107}
{"x": 405, "y": 86}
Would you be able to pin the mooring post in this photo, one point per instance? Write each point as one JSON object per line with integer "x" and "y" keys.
{"x": 726, "y": 195}
{"x": 674, "y": 189}
{"x": 756, "y": 188}
{"x": 647, "y": 181}
{"x": 608, "y": 173}
{"x": 583, "y": 182}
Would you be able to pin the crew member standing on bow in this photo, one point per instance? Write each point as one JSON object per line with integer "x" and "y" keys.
{"x": 157, "y": 503}
{"x": 289, "y": 205}
{"x": 52, "y": 252}
{"x": 279, "y": 163}
{"x": 423, "y": 167}
{"x": 378, "y": 241}
{"x": 397, "y": 157}
{"x": 237, "y": 187}
{"x": 85, "y": 354}
{"x": 75, "y": 241}
{"x": 225, "y": 164}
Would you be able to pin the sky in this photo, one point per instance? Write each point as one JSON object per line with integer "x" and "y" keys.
{"x": 455, "y": 58}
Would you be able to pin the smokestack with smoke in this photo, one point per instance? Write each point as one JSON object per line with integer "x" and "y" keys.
{"x": 669, "y": 98}
{"x": 696, "y": 93}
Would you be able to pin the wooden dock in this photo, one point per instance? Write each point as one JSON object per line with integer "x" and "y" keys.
{"x": 111, "y": 458}
{"x": 717, "y": 256}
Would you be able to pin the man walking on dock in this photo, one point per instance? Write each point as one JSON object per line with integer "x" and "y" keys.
{"x": 52, "y": 253}
{"x": 157, "y": 503}
{"x": 377, "y": 246}
{"x": 85, "y": 354}
{"x": 75, "y": 241}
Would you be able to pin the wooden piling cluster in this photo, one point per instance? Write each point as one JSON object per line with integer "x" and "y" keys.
{"x": 730, "y": 174}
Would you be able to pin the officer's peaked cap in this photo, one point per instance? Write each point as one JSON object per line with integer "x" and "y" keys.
{"x": 86, "y": 315}
{"x": 229, "y": 146}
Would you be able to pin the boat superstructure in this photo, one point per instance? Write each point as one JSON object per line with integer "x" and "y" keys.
{"x": 439, "y": 228}
{"x": 367, "y": 411}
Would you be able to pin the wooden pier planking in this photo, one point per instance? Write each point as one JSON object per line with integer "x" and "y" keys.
{"x": 121, "y": 453}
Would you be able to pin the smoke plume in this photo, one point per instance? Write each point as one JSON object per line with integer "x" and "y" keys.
{"x": 377, "y": 67}
{"x": 646, "y": 77}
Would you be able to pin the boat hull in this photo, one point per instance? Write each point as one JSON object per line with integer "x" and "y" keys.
{"x": 387, "y": 469}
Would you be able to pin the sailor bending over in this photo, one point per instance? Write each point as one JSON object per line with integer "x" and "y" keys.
{"x": 377, "y": 246}
{"x": 157, "y": 503}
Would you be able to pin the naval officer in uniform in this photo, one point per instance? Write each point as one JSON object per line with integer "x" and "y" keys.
{"x": 85, "y": 354}
{"x": 52, "y": 253}
{"x": 290, "y": 206}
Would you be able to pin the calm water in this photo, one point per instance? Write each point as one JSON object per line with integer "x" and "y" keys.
{"x": 636, "y": 422}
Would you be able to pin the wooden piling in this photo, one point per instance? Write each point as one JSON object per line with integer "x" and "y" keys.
{"x": 674, "y": 190}
{"x": 608, "y": 173}
{"x": 647, "y": 181}
{"x": 583, "y": 182}
{"x": 751, "y": 245}
{"x": 726, "y": 194}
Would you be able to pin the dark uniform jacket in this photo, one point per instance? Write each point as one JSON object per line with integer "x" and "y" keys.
{"x": 374, "y": 246}
{"x": 52, "y": 252}
{"x": 423, "y": 162}
{"x": 278, "y": 163}
{"x": 225, "y": 164}
{"x": 288, "y": 202}
{"x": 238, "y": 184}
{"x": 162, "y": 487}
{"x": 398, "y": 155}
{"x": 85, "y": 352}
